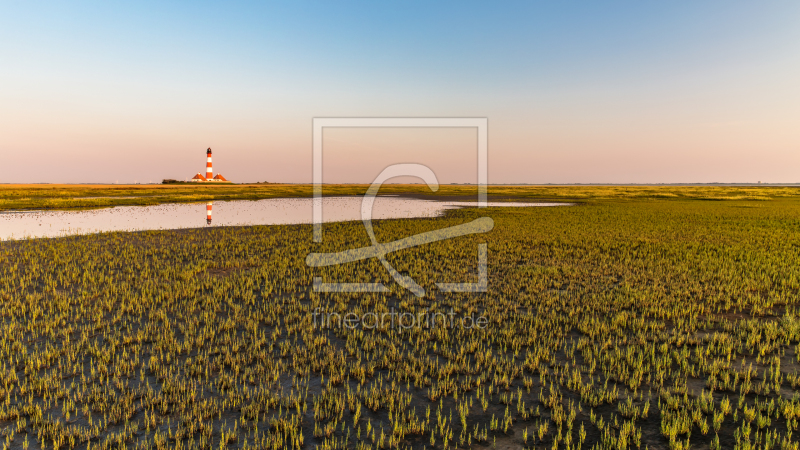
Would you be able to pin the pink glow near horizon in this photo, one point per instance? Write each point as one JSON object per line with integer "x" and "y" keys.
{"x": 542, "y": 152}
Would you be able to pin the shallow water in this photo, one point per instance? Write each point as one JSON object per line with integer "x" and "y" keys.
{"x": 276, "y": 211}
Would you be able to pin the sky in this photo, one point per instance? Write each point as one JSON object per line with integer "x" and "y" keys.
{"x": 574, "y": 92}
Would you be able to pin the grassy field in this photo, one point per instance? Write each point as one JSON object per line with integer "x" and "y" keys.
{"x": 46, "y": 196}
{"x": 644, "y": 321}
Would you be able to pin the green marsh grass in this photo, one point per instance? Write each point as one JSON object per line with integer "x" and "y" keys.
{"x": 621, "y": 324}
{"x": 46, "y": 196}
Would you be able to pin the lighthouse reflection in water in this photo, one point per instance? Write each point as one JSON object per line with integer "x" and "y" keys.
{"x": 208, "y": 212}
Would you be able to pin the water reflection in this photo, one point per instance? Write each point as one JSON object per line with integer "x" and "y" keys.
{"x": 276, "y": 211}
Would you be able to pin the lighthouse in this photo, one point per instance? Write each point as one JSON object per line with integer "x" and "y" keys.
{"x": 209, "y": 177}
{"x": 208, "y": 213}
{"x": 209, "y": 170}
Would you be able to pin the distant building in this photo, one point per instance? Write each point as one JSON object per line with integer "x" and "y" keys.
{"x": 199, "y": 178}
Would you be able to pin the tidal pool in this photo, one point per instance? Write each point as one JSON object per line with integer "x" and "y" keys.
{"x": 275, "y": 211}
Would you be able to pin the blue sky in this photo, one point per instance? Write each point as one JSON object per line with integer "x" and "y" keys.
{"x": 574, "y": 91}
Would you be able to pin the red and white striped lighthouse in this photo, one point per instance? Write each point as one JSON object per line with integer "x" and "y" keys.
{"x": 208, "y": 164}
{"x": 208, "y": 213}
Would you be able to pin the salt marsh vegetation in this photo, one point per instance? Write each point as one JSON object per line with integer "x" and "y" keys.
{"x": 59, "y": 197}
{"x": 668, "y": 323}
